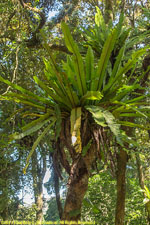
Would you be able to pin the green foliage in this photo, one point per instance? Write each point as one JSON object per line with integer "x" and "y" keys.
{"x": 105, "y": 118}
{"x": 78, "y": 61}
{"x": 77, "y": 88}
{"x": 52, "y": 212}
{"x": 26, "y": 213}
{"x": 147, "y": 192}
{"x": 40, "y": 137}
{"x": 135, "y": 211}
{"x": 100, "y": 207}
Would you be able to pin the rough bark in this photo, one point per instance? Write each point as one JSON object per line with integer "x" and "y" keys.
{"x": 77, "y": 188}
{"x": 121, "y": 187}
{"x": 38, "y": 174}
{"x": 39, "y": 202}
{"x": 77, "y": 166}
{"x": 77, "y": 185}
{"x": 141, "y": 182}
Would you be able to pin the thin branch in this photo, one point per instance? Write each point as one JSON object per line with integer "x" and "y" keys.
{"x": 15, "y": 70}
{"x": 10, "y": 17}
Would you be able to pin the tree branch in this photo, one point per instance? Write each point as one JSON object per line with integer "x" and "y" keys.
{"x": 66, "y": 11}
{"x": 34, "y": 40}
{"x": 15, "y": 70}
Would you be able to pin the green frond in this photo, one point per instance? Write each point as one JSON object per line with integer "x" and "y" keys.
{"x": 24, "y": 91}
{"x": 91, "y": 95}
{"x": 99, "y": 20}
{"x": 77, "y": 58}
{"x": 89, "y": 64}
{"x": 40, "y": 137}
{"x": 103, "y": 62}
{"x": 135, "y": 125}
{"x": 105, "y": 118}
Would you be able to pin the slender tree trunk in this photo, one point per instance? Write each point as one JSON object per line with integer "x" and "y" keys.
{"x": 38, "y": 174}
{"x": 121, "y": 187}
{"x": 141, "y": 182}
{"x": 56, "y": 186}
{"x": 39, "y": 201}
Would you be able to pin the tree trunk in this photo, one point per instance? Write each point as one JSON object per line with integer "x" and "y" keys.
{"x": 57, "y": 194}
{"x": 121, "y": 187}
{"x": 39, "y": 201}
{"x": 108, "y": 15}
{"x": 141, "y": 182}
{"x": 38, "y": 174}
{"x": 77, "y": 185}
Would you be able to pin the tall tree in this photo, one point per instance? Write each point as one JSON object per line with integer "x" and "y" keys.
{"x": 91, "y": 93}
{"x": 73, "y": 102}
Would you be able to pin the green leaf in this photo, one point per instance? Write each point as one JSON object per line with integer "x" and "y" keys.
{"x": 29, "y": 131}
{"x": 70, "y": 70}
{"x": 32, "y": 127}
{"x": 87, "y": 202}
{"x": 99, "y": 20}
{"x": 135, "y": 99}
{"x": 54, "y": 67}
{"x": 95, "y": 209}
{"x": 131, "y": 106}
{"x": 113, "y": 125}
{"x": 129, "y": 140}
{"x": 124, "y": 91}
{"x": 129, "y": 124}
{"x": 73, "y": 97}
{"x": 115, "y": 68}
{"x": 103, "y": 62}
{"x": 49, "y": 71}
{"x": 123, "y": 70}
{"x": 52, "y": 60}
{"x": 101, "y": 116}
{"x": 86, "y": 148}
{"x": 37, "y": 121}
{"x": 24, "y": 91}
{"x": 89, "y": 66}
{"x": 27, "y": 98}
{"x": 52, "y": 94}
{"x": 42, "y": 135}
{"x": 97, "y": 115}
{"x": 92, "y": 95}
{"x": 78, "y": 62}
{"x": 18, "y": 100}
{"x": 120, "y": 24}
{"x": 147, "y": 192}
